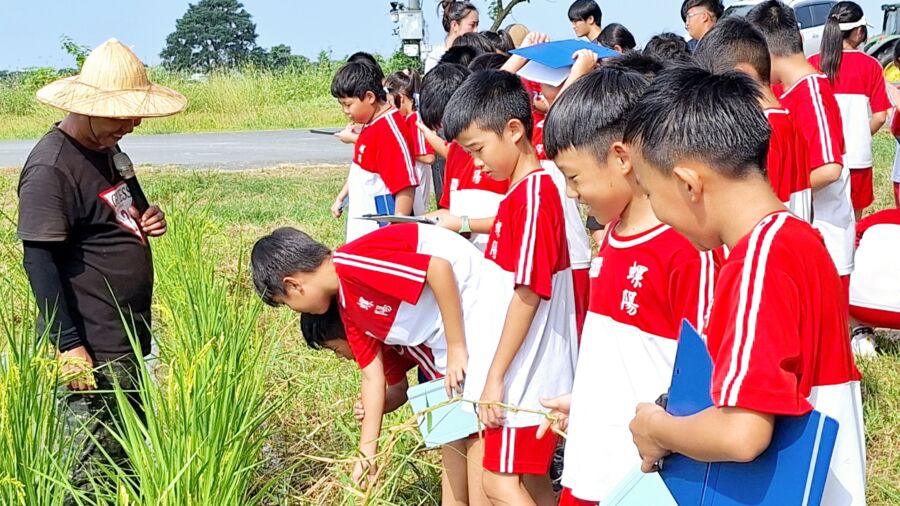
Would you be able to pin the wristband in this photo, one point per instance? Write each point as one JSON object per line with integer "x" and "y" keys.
{"x": 464, "y": 227}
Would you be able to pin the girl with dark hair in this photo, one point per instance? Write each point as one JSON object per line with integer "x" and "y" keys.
{"x": 616, "y": 37}
{"x": 860, "y": 90}
{"x": 403, "y": 91}
{"x": 457, "y": 18}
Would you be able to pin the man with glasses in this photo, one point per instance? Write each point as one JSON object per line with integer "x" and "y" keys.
{"x": 699, "y": 17}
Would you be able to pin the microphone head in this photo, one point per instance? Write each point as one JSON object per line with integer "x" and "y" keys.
{"x": 123, "y": 165}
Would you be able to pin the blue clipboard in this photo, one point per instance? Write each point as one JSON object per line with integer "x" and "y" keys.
{"x": 558, "y": 54}
{"x": 791, "y": 471}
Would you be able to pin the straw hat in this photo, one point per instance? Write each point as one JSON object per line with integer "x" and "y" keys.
{"x": 112, "y": 84}
{"x": 517, "y": 32}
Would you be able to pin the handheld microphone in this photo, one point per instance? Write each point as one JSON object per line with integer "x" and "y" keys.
{"x": 126, "y": 170}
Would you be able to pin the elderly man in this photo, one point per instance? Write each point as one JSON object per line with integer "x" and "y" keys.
{"x": 86, "y": 247}
{"x": 699, "y": 17}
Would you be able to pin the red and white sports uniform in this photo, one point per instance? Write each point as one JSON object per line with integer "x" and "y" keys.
{"x": 537, "y": 140}
{"x": 779, "y": 340}
{"x": 643, "y": 286}
{"x": 789, "y": 178}
{"x": 468, "y": 191}
{"x": 397, "y": 362}
{"x": 578, "y": 241}
{"x": 527, "y": 247}
{"x": 875, "y": 283}
{"x": 419, "y": 147}
{"x": 382, "y": 166}
{"x": 817, "y": 119}
{"x": 384, "y": 297}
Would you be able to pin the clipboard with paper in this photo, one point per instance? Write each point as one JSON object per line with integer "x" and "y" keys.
{"x": 792, "y": 470}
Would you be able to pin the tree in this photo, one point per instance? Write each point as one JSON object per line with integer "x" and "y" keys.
{"x": 499, "y": 10}
{"x": 212, "y": 33}
{"x": 77, "y": 51}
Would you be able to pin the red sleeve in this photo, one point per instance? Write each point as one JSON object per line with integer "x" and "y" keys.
{"x": 364, "y": 348}
{"x": 878, "y": 97}
{"x": 454, "y": 151}
{"x": 887, "y": 216}
{"x": 758, "y": 359}
{"x": 539, "y": 227}
{"x": 819, "y": 124}
{"x": 895, "y": 125}
{"x": 393, "y": 159}
{"x": 691, "y": 288}
{"x": 383, "y": 268}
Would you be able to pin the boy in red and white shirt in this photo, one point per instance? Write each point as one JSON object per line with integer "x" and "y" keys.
{"x": 809, "y": 97}
{"x": 382, "y": 178}
{"x": 860, "y": 91}
{"x": 777, "y": 331}
{"x": 409, "y": 286}
{"x": 645, "y": 279}
{"x": 734, "y": 44}
{"x": 528, "y": 274}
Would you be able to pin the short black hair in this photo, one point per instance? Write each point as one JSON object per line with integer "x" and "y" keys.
{"x": 615, "y": 34}
{"x": 715, "y": 7}
{"x": 355, "y": 79}
{"x": 489, "y": 100}
{"x": 633, "y": 61}
{"x": 364, "y": 57}
{"x": 317, "y": 329}
{"x": 488, "y": 61}
{"x": 689, "y": 113}
{"x": 778, "y": 24}
{"x": 591, "y": 114}
{"x": 460, "y": 55}
{"x": 478, "y": 41}
{"x": 581, "y": 10}
{"x": 501, "y": 40}
{"x": 437, "y": 88}
{"x": 282, "y": 253}
{"x": 731, "y": 42}
{"x": 668, "y": 48}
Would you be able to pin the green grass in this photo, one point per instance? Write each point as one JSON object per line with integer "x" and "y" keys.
{"x": 306, "y": 403}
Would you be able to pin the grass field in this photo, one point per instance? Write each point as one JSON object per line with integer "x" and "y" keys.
{"x": 307, "y": 397}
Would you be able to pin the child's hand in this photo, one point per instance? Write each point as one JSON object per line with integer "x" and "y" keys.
{"x": 358, "y": 411}
{"x": 541, "y": 104}
{"x": 337, "y": 208}
{"x": 534, "y": 38}
{"x": 423, "y": 128}
{"x": 559, "y": 407}
{"x": 492, "y": 416}
{"x": 641, "y": 430}
{"x": 585, "y": 61}
{"x": 363, "y": 473}
{"x": 445, "y": 219}
{"x": 348, "y": 135}
{"x": 457, "y": 363}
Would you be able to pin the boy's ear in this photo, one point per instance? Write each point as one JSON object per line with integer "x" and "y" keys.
{"x": 516, "y": 129}
{"x": 690, "y": 180}
{"x": 370, "y": 98}
{"x": 292, "y": 283}
{"x": 748, "y": 69}
{"x": 621, "y": 156}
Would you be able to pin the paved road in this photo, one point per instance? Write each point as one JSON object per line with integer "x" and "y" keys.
{"x": 230, "y": 150}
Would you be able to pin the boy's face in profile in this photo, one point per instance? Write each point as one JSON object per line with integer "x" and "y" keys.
{"x": 359, "y": 110}
{"x": 600, "y": 184}
{"x": 496, "y": 155}
{"x": 675, "y": 201}
{"x": 581, "y": 27}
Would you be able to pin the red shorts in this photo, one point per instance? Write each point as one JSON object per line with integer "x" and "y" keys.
{"x": 567, "y": 499}
{"x": 581, "y": 282}
{"x": 876, "y": 317}
{"x": 516, "y": 450}
{"x": 862, "y": 190}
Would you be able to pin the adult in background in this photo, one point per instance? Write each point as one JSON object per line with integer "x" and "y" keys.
{"x": 86, "y": 249}
{"x": 457, "y": 18}
{"x": 699, "y": 17}
{"x": 586, "y": 18}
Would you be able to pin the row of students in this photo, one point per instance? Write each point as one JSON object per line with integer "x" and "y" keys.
{"x": 675, "y": 161}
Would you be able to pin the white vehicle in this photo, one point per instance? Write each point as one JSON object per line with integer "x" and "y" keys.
{"x": 811, "y": 16}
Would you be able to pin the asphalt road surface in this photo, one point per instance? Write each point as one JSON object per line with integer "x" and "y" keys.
{"x": 228, "y": 150}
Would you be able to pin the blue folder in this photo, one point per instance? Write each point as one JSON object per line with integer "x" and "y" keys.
{"x": 558, "y": 54}
{"x": 791, "y": 471}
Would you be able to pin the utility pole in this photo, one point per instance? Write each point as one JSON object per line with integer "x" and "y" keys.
{"x": 411, "y": 26}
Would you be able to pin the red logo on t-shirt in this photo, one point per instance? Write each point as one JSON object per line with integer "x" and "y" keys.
{"x": 119, "y": 199}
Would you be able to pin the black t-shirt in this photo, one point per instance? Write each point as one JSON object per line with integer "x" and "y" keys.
{"x": 72, "y": 195}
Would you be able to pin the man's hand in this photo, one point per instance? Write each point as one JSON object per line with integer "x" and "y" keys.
{"x": 457, "y": 364}
{"x": 153, "y": 222}
{"x": 559, "y": 408}
{"x": 642, "y": 433}
{"x": 77, "y": 364}
{"x": 492, "y": 416}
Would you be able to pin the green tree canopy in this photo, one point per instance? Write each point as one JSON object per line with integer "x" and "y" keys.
{"x": 212, "y": 33}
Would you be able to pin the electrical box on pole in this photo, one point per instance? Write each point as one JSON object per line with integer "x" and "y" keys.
{"x": 411, "y": 27}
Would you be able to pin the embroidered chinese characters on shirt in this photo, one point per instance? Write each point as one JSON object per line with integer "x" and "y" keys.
{"x": 119, "y": 199}
{"x": 629, "y": 297}
{"x": 498, "y": 226}
{"x": 380, "y": 309}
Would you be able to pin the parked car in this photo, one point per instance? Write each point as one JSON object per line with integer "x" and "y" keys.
{"x": 811, "y": 15}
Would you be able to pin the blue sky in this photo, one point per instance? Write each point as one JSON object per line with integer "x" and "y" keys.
{"x": 30, "y": 29}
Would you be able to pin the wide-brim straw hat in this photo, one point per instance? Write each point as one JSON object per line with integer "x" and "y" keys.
{"x": 113, "y": 83}
{"x": 517, "y": 33}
